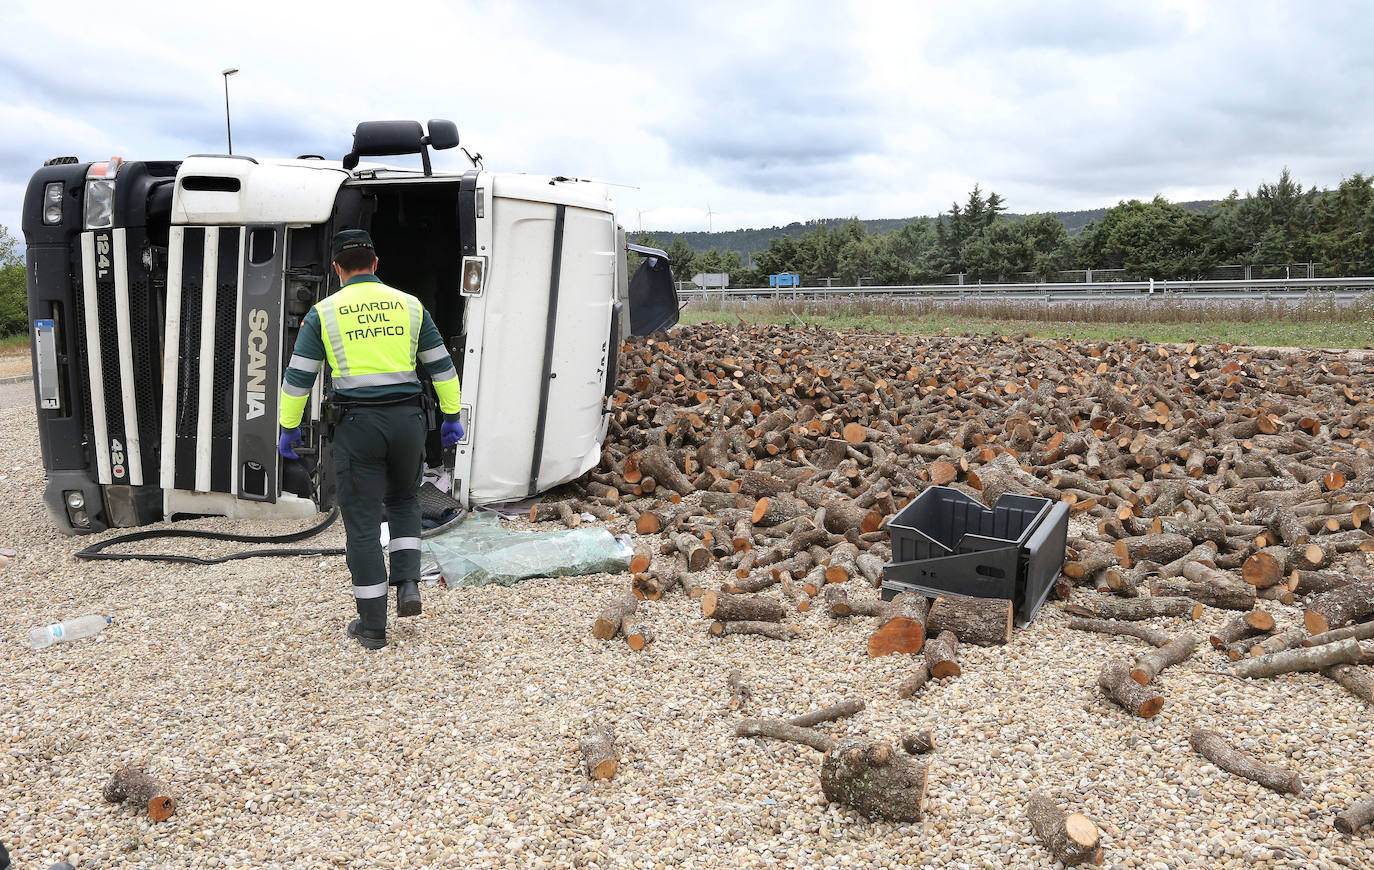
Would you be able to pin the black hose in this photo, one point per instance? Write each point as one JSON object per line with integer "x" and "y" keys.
{"x": 94, "y": 551}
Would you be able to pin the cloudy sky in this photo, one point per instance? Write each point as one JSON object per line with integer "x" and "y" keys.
{"x": 763, "y": 112}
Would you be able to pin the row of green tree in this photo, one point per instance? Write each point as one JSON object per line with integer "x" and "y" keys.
{"x": 14, "y": 295}
{"x": 1278, "y": 223}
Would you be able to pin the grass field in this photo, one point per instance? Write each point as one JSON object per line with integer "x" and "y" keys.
{"x": 14, "y": 344}
{"x": 1311, "y": 324}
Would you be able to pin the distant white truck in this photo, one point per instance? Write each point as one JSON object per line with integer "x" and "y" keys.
{"x": 165, "y": 296}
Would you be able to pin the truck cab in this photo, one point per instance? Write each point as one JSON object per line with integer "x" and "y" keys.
{"x": 165, "y": 298}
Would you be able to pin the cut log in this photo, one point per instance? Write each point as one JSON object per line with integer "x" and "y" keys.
{"x": 637, "y": 634}
{"x": 1137, "y": 608}
{"x": 1114, "y": 679}
{"x": 783, "y": 731}
{"x": 1355, "y": 816}
{"x": 691, "y": 548}
{"x": 1278, "y": 642}
{"x": 843, "y": 563}
{"x": 844, "y": 709}
{"x": 740, "y": 691}
{"x": 1265, "y": 568}
{"x": 1363, "y": 631}
{"x": 1112, "y": 626}
{"x": 918, "y": 743}
{"x": 726, "y": 607}
{"x": 904, "y": 626}
{"x": 1157, "y": 548}
{"x": 1316, "y": 582}
{"x": 777, "y": 509}
{"x": 656, "y": 583}
{"x": 1253, "y": 623}
{"x": 875, "y": 781}
{"x": 613, "y": 612}
{"x": 1315, "y": 658}
{"x": 1173, "y": 652}
{"x": 979, "y": 621}
{"x": 1357, "y": 681}
{"x": 599, "y": 756}
{"x": 1335, "y": 608}
{"x": 1071, "y": 838}
{"x": 1214, "y": 588}
{"x": 136, "y": 786}
{"x": 775, "y": 630}
{"x": 655, "y": 462}
{"x": 942, "y": 656}
{"x": 912, "y": 684}
{"x": 1213, "y": 747}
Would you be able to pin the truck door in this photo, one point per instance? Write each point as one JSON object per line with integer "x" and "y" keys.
{"x": 222, "y": 365}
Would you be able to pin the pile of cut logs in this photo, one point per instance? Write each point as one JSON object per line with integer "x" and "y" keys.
{"x": 1211, "y": 476}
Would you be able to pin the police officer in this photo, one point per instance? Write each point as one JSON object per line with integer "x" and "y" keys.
{"x": 372, "y": 335}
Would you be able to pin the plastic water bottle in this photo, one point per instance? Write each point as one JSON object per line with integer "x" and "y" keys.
{"x": 68, "y": 629}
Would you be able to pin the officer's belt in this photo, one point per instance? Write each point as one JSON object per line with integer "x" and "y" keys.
{"x": 418, "y": 400}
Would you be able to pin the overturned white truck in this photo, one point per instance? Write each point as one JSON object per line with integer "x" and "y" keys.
{"x": 165, "y": 296}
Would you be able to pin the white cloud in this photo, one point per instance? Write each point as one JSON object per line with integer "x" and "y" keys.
{"x": 769, "y": 113}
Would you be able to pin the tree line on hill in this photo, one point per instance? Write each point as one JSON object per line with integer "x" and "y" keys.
{"x": 1278, "y": 223}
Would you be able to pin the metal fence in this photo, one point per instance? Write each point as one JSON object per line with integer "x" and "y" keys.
{"x": 1255, "y": 289}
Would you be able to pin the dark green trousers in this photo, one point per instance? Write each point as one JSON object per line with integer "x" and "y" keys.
{"x": 379, "y": 463}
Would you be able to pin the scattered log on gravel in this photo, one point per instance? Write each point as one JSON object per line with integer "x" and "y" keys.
{"x": 740, "y": 691}
{"x": 875, "y": 781}
{"x": 1157, "y": 548}
{"x": 1316, "y": 582}
{"x": 1137, "y": 608}
{"x": 637, "y": 634}
{"x": 613, "y": 612}
{"x": 912, "y": 684}
{"x": 1112, "y": 626}
{"x": 599, "y": 756}
{"x": 1355, "y": 816}
{"x": 136, "y": 786}
{"x": 904, "y": 626}
{"x": 783, "y": 731}
{"x": 1341, "y": 652}
{"x": 1253, "y": 623}
{"x": 1173, "y": 652}
{"x": 1265, "y": 568}
{"x": 1358, "y": 681}
{"x": 751, "y": 608}
{"x": 774, "y": 630}
{"x": 842, "y": 710}
{"x": 1278, "y": 642}
{"x": 1363, "y": 631}
{"x": 918, "y": 743}
{"x": 653, "y": 585}
{"x": 980, "y": 621}
{"x": 942, "y": 656}
{"x": 1071, "y": 838}
{"x": 1213, "y": 747}
{"x": 692, "y": 550}
{"x": 1114, "y": 679}
{"x": 1335, "y": 608}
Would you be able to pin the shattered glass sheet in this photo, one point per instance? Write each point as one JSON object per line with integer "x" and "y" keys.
{"x": 479, "y": 551}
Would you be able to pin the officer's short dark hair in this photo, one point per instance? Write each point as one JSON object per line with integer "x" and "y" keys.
{"x": 355, "y": 259}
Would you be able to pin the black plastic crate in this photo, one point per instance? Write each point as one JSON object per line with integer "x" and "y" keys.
{"x": 944, "y": 542}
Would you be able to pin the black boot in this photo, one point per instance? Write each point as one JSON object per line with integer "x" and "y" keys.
{"x": 408, "y": 598}
{"x": 366, "y": 636}
{"x": 369, "y": 629}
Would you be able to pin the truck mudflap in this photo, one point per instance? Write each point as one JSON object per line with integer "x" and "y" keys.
{"x": 222, "y": 366}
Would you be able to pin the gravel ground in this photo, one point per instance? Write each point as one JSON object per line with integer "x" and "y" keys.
{"x": 289, "y": 746}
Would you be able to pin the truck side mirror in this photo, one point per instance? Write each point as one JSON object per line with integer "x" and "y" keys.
{"x": 442, "y": 134}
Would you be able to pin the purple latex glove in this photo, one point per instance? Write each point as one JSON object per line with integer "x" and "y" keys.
{"x": 451, "y": 432}
{"x": 289, "y": 439}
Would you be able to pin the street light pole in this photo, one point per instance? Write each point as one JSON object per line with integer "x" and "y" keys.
{"x": 228, "y": 131}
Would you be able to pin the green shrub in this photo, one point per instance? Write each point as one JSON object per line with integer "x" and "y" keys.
{"x": 14, "y": 300}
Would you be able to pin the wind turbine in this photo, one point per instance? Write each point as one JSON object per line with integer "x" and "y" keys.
{"x": 709, "y": 213}
{"x": 641, "y": 220}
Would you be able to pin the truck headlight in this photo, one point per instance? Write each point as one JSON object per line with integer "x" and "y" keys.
{"x": 99, "y": 204}
{"x": 75, "y": 499}
{"x": 52, "y": 203}
{"x": 474, "y": 276}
